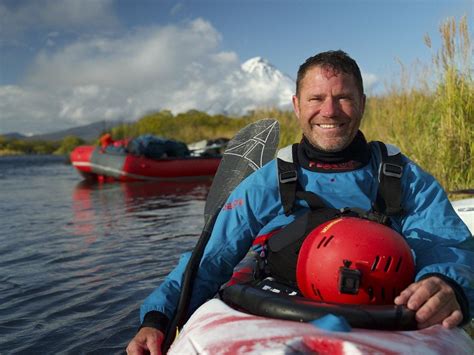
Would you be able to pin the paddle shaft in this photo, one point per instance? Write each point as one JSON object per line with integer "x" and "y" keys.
{"x": 188, "y": 282}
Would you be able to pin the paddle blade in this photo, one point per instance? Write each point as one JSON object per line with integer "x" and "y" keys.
{"x": 251, "y": 148}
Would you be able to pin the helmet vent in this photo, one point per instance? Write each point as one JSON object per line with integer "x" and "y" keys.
{"x": 328, "y": 241}
{"x": 382, "y": 293}
{"x": 325, "y": 241}
{"x": 398, "y": 264}
{"x": 321, "y": 242}
{"x": 376, "y": 262}
{"x": 387, "y": 264}
{"x": 316, "y": 292}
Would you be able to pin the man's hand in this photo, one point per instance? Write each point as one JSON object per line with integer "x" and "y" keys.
{"x": 147, "y": 340}
{"x": 434, "y": 302}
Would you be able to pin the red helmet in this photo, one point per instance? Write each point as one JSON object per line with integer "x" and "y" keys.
{"x": 351, "y": 260}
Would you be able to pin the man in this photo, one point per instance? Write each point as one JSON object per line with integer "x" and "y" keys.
{"x": 336, "y": 163}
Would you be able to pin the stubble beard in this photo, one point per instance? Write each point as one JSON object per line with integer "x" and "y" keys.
{"x": 332, "y": 145}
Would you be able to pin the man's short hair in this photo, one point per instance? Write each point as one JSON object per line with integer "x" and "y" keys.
{"x": 336, "y": 60}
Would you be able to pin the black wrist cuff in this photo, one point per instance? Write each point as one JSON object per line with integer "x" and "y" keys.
{"x": 458, "y": 292}
{"x": 155, "y": 319}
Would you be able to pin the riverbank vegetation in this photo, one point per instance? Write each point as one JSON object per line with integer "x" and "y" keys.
{"x": 428, "y": 113}
{"x": 12, "y": 146}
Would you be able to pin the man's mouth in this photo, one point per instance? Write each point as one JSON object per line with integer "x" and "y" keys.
{"x": 329, "y": 126}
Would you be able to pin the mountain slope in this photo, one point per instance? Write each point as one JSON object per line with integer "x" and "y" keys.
{"x": 88, "y": 132}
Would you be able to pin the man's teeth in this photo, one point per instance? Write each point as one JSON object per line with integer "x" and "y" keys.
{"x": 328, "y": 125}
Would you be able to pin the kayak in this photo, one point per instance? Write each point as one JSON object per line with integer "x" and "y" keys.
{"x": 216, "y": 328}
{"x": 265, "y": 318}
{"x": 465, "y": 210}
{"x": 93, "y": 163}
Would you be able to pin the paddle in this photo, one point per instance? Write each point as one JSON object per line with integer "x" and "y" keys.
{"x": 252, "y": 147}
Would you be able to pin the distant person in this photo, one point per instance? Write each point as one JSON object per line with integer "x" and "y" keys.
{"x": 111, "y": 146}
{"x": 333, "y": 161}
{"x": 106, "y": 140}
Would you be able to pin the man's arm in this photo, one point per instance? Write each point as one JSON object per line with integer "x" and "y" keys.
{"x": 444, "y": 253}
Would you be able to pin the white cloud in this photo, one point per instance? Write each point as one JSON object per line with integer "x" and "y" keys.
{"x": 176, "y": 9}
{"x": 141, "y": 58}
{"x": 22, "y": 16}
{"x": 104, "y": 77}
{"x": 26, "y": 110}
{"x": 370, "y": 82}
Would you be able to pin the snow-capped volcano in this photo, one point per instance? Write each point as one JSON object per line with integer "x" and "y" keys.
{"x": 262, "y": 68}
{"x": 258, "y": 84}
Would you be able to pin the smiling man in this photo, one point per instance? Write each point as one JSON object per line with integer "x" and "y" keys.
{"x": 336, "y": 166}
{"x": 329, "y": 105}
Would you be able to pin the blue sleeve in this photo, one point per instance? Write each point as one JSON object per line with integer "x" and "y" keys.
{"x": 441, "y": 242}
{"x": 243, "y": 215}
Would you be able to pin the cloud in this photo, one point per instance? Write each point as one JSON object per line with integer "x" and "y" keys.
{"x": 20, "y": 17}
{"x": 123, "y": 76}
{"x": 27, "y": 111}
{"x": 177, "y": 8}
{"x": 371, "y": 81}
{"x": 139, "y": 58}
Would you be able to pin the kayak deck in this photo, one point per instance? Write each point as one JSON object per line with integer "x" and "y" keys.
{"x": 216, "y": 328}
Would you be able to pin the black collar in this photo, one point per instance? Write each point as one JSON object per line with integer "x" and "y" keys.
{"x": 354, "y": 156}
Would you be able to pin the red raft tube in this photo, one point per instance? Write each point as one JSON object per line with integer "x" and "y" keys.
{"x": 93, "y": 163}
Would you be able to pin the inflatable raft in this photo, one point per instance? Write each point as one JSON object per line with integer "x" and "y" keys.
{"x": 93, "y": 163}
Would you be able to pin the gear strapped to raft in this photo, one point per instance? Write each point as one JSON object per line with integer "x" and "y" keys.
{"x": 283, "y": 246}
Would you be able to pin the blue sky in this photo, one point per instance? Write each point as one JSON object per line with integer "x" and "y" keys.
{"x": 71, "y": 62}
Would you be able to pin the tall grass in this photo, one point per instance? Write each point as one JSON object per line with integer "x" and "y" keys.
{"x": 431, "y": 116}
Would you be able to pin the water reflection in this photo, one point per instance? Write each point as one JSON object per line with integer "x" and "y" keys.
{"x": 101, "y": 207}
{"x": 197, "y": 189}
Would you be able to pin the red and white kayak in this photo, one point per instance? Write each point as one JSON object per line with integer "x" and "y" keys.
{"x": 95, "y": 164}
{"x": 216, "y": 328}
{"x": 465, "y": 210}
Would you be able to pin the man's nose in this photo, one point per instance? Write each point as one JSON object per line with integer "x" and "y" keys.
{"x": 329, "y": 107}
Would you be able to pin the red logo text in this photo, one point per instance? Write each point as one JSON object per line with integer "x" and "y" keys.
{"x": 233, "y": 204}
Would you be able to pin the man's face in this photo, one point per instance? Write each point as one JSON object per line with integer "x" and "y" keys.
{"x": 329, "y": 108}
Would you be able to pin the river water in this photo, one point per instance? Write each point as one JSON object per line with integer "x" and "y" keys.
{"x": 77, "y": 260}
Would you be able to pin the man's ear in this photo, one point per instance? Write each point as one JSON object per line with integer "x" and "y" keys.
{"x": 296, "y": 105}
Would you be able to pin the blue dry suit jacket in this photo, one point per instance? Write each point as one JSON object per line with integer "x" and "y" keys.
{"x": 441, "y": 242}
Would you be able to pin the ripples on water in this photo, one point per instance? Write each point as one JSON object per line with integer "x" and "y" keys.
{"x": 78, "y": 259}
